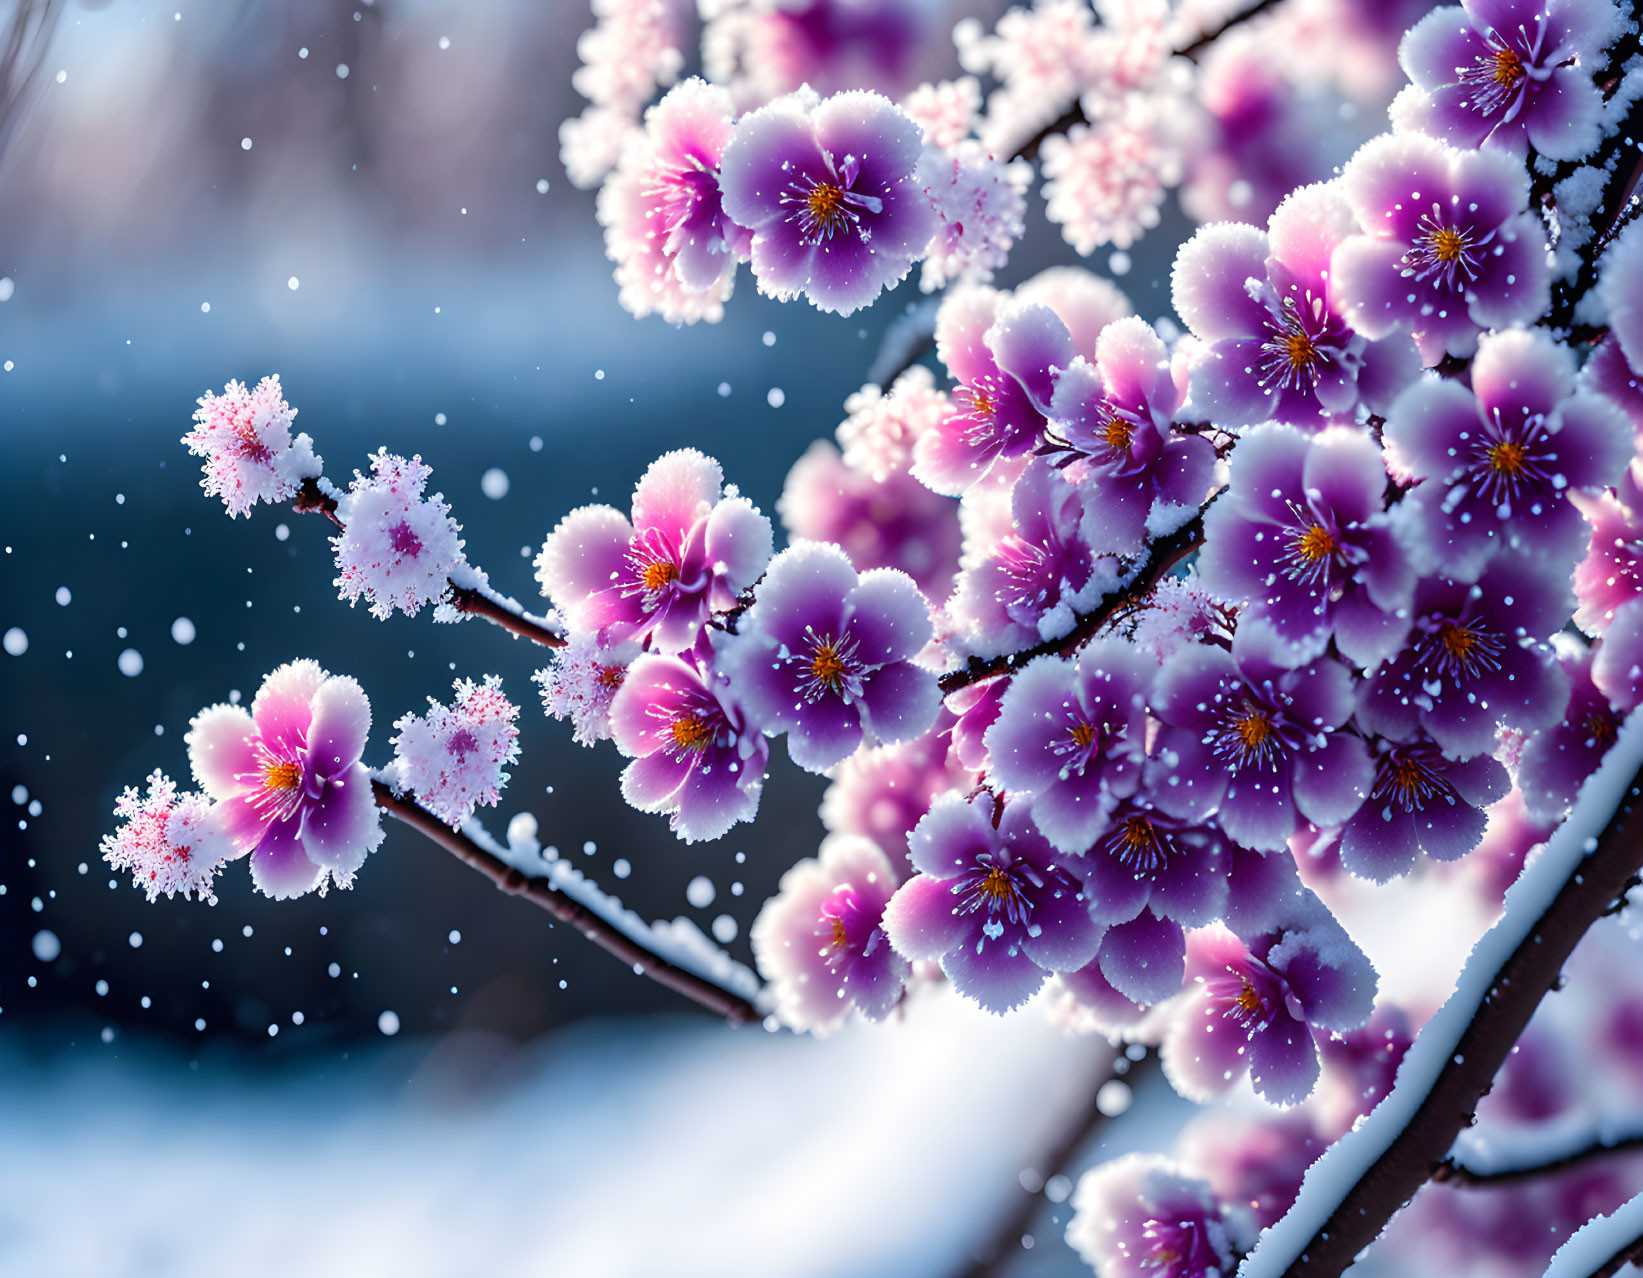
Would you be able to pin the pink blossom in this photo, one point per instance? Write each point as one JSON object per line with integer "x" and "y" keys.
{"x": 689, "y": 548}
{"x": 675, "y": 249}
{"x": 288, "y": 779}
{"x": 396, "y": 549}
{"x": 1042, "y": 57}
{"x": 590, "y": 144}
{"x": 1104, "y": 182}
{"x": 898, "y": 523}
{"x": 820, "y": 940}
{"x": 250, "y": 455}
{"x": 946, "y": 110}
{"x": 580, "y": 682}
{"x": 452, "y": 757}
{"x": 981, "y": 207}
{"x": 633, "y": 48}
{"x": 171, "y": 843}
{"x": 878, "y": 436}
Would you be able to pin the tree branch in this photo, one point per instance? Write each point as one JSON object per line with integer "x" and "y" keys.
{"x": 1074, "y": 114}
{"x": 1163, "y": 555}
{"x": 312, "y": 499}
{"x": 1366, "y": 1177}
{"x": 1454, "y": 1171}
{"x": 542, "y": 891}
{"x": 1004, "y": 1245}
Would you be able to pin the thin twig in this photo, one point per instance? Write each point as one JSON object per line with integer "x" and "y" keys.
{"x": 566, "y": 908}
{"x": 1455, "y": 1172}
{"x": 1074, "y": 114}
{"x": 312, "y": 499}
{"x": 1005, "y": 1243}
{"x": 1163, "y": 555}
{"x": 1515, "y": 990}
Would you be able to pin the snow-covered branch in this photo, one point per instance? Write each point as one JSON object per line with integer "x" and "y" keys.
{"x": 1602, "y": 1246}
{"x": 1361, "y": 1182}
{"x": 595, "y": 916}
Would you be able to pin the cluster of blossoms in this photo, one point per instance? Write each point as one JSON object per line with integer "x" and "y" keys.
{"x": 1397, "y": 424}
{"x": 284, "y": 783}
{"x": 791, "y": 157}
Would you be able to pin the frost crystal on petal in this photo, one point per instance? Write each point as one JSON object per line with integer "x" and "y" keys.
{"x": 397, "y": 549}
{"x": 171, "y": 843}
{"x": 452, "y": 757}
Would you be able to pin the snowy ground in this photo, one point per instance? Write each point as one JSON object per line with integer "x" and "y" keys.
{"x": 666, "y": 1146}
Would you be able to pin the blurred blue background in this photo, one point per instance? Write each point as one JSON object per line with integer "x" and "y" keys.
{"x": 366, "y": 198}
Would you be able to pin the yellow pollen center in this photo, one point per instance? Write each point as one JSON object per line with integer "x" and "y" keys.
{"x": 1458, "y": 641}
{"x": 996, "y": 886}
{"x": 826, "y": 667}
{"x": 826, "y": 205}
{"x": 1138, "y": 834}
{"x": 1316, "y": 543}
{"x": 839, "y": 939}
{"x": 1508, "y": 67}
{"x": 1118, "y": 434}
{"x": 1254, "y": 729}
{"x": 691, "y": 733}
{"x": 281, "y": 776}
{"x": 1083, "y": 735}
{"x": 611, "y": 676}
{"x": 1406, "y": 777}
{"x": 1248, "y": 1002}
{"x": 1506, "y": 457}
{"x": 658, "y": 574}
{"x": 1300, "y": 349}
{"x": 981, "y": 404}
{"x": 1446, "y": 244}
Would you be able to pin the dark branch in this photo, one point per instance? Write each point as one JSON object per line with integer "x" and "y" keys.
{"x": 1515, "y": 991}
{"x": 312, "y": 499}
{"x": 1005, "y": 1243}
{"x": 1455, "y": 1172}
{"x": 1162, "y": 555}
{"x": 1074, "y": 114}
{"x": 566, "y": 908}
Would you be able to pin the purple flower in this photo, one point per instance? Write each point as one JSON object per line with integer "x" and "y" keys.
{"x": 687, "y": 550}
{"x": 1038, "y": 572}
{"x": 882, "y": 793}
{"x": 892, "y": 521}
{"x": 1278, "y": 346}
{"x": 1141, "y": 1216}
{"x": 1147, "y": 860}
{"x": 1248, "y": 736}
{"x": 674, "y": 247}
{"x": 1255, "y": 1159}
{"x": 1475, "y": 659}
{"x": 1420, "y": 801}
{"x": 993, "y": 904}
{"x": 1609, "y": 577}
{"x": 1301, "y": 537}
{"x": 977, "y": 709}
{"x": 828, "y": 190}
{"x": 1086, "y": 1002}
{"x": 1003, "y": 357}
{"x": 1360, "y": 1068}
{"x": 1607, "y": 373}
{"x": 819, "y": 941}
{"x": 1073, "y": 734}
{"x": 1083, "y": 301}
{"x": 1255, "y": 1007}
{"x": 1514, "y": 73}
{"x": 1498, "y": 462}
{"x": 826, "y": 655}
{"x": 288, "y": 780}
{"x": 695, "y": 754}
{"x": 1110, "y": 426}
{"x": 1559, "y": 756}
{"x": 1618, "y": 666}
{"x": 1448, "y": 247}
